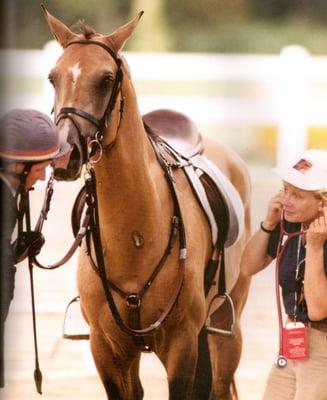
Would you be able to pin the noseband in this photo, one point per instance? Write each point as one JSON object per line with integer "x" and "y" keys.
{"x": 100, "y": 124}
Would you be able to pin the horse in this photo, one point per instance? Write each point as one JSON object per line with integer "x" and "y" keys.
{"x": 145, "y": 207}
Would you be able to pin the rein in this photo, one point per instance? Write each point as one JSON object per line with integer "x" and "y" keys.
{"x": 39, "y": 225}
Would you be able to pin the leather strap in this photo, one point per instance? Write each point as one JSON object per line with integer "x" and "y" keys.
{"x": 104, "y": 46}
{"x": 72, "y": 110}
{"x": 94, "y": 225}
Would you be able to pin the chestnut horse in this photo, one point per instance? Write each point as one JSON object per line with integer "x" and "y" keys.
{"x": 135, "y": 207}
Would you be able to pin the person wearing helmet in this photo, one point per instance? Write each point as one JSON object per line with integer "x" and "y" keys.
{"x": 294, "y": 233}
{"x": 29, "y": 143}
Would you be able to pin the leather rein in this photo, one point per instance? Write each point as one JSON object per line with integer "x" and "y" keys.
{"x": 90, "y": 227}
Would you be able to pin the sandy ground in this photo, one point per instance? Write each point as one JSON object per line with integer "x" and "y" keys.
{"x": 67, "y": 366}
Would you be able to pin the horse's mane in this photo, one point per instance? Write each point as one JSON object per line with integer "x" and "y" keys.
{"x": 153, "y": 135}
{"x": 84, "y": 29}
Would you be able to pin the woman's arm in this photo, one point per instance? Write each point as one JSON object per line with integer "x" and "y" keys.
{"x": 255, "y": 256}
{"x": 315, "y": 280}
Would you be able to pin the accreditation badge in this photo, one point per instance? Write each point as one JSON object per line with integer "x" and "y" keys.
{"x": 295, "y": 341}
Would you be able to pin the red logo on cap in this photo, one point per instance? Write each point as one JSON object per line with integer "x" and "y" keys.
{"x": 303, "y": 166}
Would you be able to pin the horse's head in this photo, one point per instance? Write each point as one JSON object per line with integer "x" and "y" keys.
{"x": 87, "y": 81}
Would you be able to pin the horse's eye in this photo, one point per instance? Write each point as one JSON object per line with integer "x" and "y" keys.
{"x": 106, "y": 81}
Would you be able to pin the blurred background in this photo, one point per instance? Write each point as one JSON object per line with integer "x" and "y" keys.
{"x": 227, "y": 62}
{"x": 251, "y": 73}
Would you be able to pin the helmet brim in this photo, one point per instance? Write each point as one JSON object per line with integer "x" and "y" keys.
{"x": 64, "y": 149}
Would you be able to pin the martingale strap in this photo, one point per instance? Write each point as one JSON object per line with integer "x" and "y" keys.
{"x": 135, "y": 299}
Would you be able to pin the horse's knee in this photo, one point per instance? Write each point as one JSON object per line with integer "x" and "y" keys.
{"x": 119, "y": 373}
{"x": 181, "y": 367}
{"x": 223, "y": 390}
{"x": 180, "y": 388}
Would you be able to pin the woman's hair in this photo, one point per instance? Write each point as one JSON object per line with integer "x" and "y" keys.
{"x": 321, "y": 194}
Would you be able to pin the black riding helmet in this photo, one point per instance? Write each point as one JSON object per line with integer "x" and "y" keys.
{"x": 29, "y": 136}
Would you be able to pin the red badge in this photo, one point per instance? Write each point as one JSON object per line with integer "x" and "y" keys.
{"x": 295, "y": 341}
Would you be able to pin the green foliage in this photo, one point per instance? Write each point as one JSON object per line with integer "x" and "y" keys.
{"x": 239, "y": 26}
{"x": 253, "y": 36}
{"x": 152, "y": 32}
{"x": 202, "y": 13}
{"x": 314, "y": 10}
{"x": 26, "y": 26}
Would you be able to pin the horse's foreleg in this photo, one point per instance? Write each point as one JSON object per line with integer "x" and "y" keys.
{"x": 118, "y": 369}
{"x": 180, "y": 359}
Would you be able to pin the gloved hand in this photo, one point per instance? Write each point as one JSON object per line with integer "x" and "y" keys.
{"x": 29, "y": 243}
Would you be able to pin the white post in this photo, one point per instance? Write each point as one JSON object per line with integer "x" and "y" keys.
{"x": 292, "y": 104}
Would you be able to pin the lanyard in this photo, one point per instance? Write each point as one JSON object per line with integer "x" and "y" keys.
{"x": 284, "y": 239}
{"x": 298, "y": 273}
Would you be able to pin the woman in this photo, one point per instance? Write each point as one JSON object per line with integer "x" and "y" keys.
{"x": 29, "y": 143}
{"x": 301, "y": 206}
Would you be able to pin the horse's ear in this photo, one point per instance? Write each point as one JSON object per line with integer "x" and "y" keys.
{"x": 60, "y": 31}
{"x": 119, "y": 37}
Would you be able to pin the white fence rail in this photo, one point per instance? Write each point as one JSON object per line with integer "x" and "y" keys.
{"x": 289, "y": 90}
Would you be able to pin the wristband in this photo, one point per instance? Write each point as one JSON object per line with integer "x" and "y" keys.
{"x": 265, "y": 229}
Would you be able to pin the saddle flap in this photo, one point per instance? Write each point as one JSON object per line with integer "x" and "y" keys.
{"x": 226, "y": 189}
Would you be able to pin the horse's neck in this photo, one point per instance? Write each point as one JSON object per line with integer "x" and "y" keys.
{"x": 131, "y": 184}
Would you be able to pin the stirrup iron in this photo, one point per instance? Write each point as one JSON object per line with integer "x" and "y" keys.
{"x": 218, "y": 331}
{"x": 69, "y": 331}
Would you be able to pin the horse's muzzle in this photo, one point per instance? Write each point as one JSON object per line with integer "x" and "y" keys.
{"x": 74, "y": 167}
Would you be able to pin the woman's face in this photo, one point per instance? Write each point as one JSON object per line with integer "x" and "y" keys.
{"x": 300, "y": 205}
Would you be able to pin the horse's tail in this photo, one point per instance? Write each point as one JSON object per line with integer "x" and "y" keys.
{"x": 203, "y": 376}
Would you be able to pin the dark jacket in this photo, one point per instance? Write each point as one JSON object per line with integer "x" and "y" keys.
{"x": 7, "y": 261}
{"x": 287, "y": 271}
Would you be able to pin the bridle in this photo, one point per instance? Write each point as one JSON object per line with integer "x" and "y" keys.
{"x": 102, "y": 123}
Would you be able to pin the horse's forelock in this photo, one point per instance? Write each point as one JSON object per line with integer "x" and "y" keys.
{"x": 87, "y": 31}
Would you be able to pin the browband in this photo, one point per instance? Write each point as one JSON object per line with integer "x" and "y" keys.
{"x": 104, "y": 46}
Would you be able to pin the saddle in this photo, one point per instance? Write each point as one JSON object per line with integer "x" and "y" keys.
{"x": 176, "y": 129}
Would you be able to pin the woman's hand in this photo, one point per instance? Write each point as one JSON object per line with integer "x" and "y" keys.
{"x": 317, "y": 233}
{"x": 274, "y": 212}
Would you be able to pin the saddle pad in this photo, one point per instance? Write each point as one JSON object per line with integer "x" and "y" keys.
{"x": 229, "y": 193}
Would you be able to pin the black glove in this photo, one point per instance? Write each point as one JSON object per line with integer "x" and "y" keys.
{"x": 29, "y": 243}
